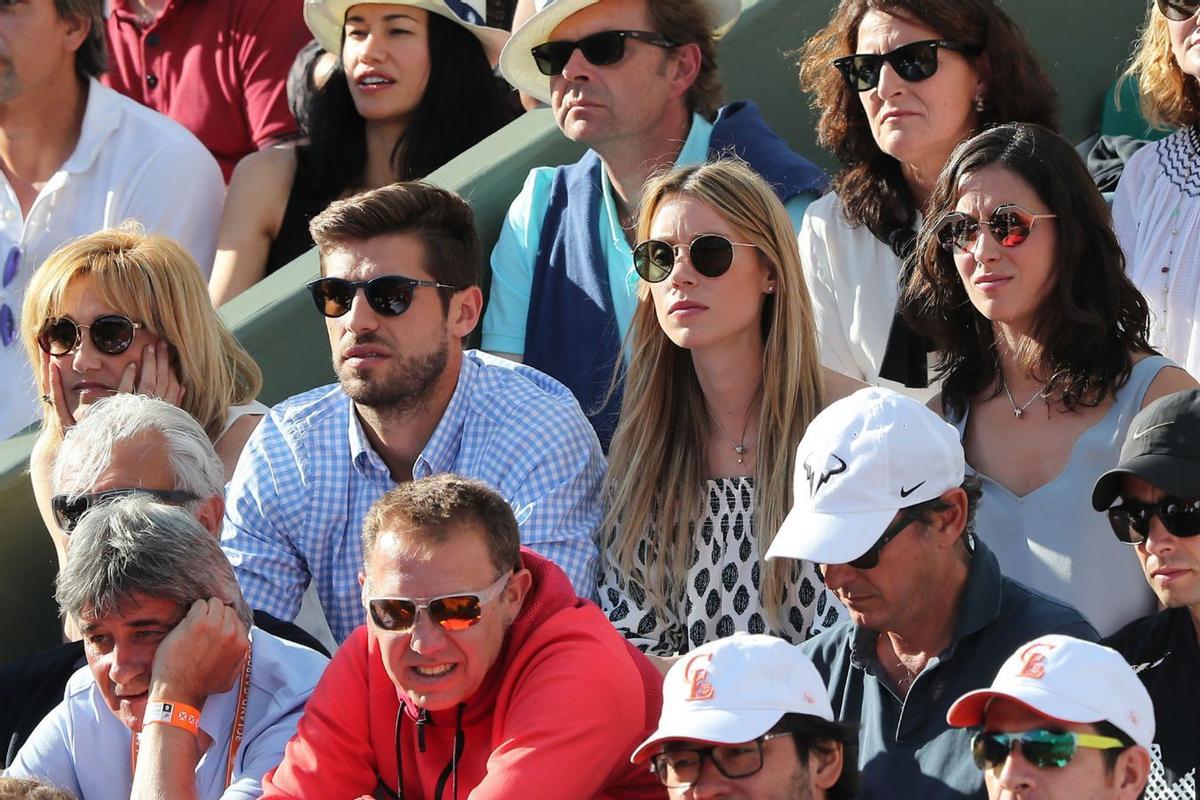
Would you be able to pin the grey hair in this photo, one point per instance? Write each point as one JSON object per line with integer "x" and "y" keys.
{"x": 136, "y": 546}
{"x": 86, "y": 449}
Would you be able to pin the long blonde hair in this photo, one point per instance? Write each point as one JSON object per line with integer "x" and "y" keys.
{"x": 153, "y": 280}
{"x": 1169, "y": 97}
{"x": 656, "y": 479}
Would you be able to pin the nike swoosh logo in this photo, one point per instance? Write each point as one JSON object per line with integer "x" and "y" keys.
{"x": 1144, "y": 431}
{"x": 906, "y": 493}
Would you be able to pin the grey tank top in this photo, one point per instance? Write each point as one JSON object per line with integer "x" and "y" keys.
{"x": 1053, "y": 541}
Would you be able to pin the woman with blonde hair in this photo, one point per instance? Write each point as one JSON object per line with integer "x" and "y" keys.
{"x": 723, "y": 378}
{"x": 1156, "y": 211}
{"x": 122, "y": 310}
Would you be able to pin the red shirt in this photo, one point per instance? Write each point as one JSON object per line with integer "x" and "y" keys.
{"x": 218, "y": 67}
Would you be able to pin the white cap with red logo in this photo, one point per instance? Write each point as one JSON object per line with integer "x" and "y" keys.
{"x": 734, "y": 690}
{"x": 1069, "y": 680}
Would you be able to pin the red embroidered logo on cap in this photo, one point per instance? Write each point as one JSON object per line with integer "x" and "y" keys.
{"x": 1033, "y": 659}
{"x": 697, "y": 678}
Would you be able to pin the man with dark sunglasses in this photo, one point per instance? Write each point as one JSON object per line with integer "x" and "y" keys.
{"x": 1152, "y": 498}
{"x": 748, "y": 718}
{"x": 883, "y": 505}
{"x": 636, "y": 82}
{"x": 1063, "y": 719}
{"x": 480, "y": 673}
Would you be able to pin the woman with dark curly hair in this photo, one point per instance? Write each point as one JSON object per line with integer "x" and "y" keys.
{"x": 898, "y": 84}
{"x": 1020, "y": 283}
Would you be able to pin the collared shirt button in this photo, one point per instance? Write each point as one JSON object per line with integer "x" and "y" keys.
{"x": 152, "y": 80}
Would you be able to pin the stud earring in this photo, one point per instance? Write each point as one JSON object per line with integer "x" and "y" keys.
{"x": 771, "y": 288}
{"x": 979, "y": 105}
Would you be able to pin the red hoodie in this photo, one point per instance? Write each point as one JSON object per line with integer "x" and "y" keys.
{"x": 557, "y": 717}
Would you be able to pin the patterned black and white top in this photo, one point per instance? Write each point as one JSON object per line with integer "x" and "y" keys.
{"x": 721, "y": 593}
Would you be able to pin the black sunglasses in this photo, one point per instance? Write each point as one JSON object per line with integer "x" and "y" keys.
{"x": 390, "y": 295}
{"x": 870, "y": 559}
{"x": 1178, "y": 10}
{"x": 710, "y": 253}
{"x": 1010, "y": 225}
{"x": 912, "y": 62}
{"x": 111, "y": 333}
{"x": 1042, "y": 748}
{"x": 69, "y": 509}
{"x": 1130, "y": 521}
{"x": 601, "y": 49}
{"x": 678, "y": 769}
{"x": 452, "y": 612}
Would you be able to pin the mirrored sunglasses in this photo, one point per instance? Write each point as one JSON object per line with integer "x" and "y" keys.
{"x": 1044, "y": 749}
{"x": 912, "y": 62}
{"x": 69, "y": 509}
{"x": 1178, "y": 10}
{"x": 1130, "y": 520}
{"x": 710, "y": 253}
{"x": 452, "y": 612}
{"x": 390, "y": 295}
{"x": 600, "y": 49}
{"x": 111, "y": 334}
{"x": 1009, "y": 224}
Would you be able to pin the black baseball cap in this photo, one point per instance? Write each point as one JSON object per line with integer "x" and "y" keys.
{"x": 1162, "y": 448}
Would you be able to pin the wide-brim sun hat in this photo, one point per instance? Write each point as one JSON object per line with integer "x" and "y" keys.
{"x": 327, "y": 18}
{"x": 518, "y": 66}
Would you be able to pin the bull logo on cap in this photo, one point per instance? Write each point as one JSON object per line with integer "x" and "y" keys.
{"x": 833, "y": 466}
{"x": 697, "y": 678}
{"x": 1033, "y": 660}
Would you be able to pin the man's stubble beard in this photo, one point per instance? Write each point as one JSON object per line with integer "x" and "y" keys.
{"x": 406, "y": 391}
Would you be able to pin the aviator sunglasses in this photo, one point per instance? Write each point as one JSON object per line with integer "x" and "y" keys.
{"x": 1178, "y": 10}
{"x": 390, "y": 295}
{"x": 710, "y": 253}
{"x": 1042, "y": 748}
{"x": 1010, "y": 225}
{"x": 452, "y": 612}
{"x": 600, "y": 49}
{"x": 111, "y": 333}
{"x": 912, "y": 62}
{"x": 69, "y": 509}
{"x": 1130, "y": 521}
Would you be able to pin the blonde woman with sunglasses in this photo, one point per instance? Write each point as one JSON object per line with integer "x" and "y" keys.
{"x": 123, "y": 310}
{"x": 723, "y": 378}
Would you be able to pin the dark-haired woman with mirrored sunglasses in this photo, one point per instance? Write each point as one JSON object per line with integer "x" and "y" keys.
{"x": 1156, "y": 211}
{"x": 898, "y": 84}
{"x": 1020, "y": 283}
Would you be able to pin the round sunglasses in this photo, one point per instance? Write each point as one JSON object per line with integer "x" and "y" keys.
{"x": 1042, "y": 748}
{"x": 69, "y": 509}
{"x": 112, "y": 334}
{"x": 1178, "y": 10}
{"x": 600, "y": 49}
{"x": 390, "y": 295}
{"x": 710, "y": 253}
{"x": 912, "y": 62}
{"x": 1010, "y": 225}
{"x": 452, "y": 612}
{"x": 1130, "y": 521}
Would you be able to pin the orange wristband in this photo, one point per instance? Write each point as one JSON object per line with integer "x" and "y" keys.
{"x": 177, "y": 715}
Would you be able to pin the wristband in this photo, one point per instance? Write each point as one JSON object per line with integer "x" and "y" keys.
{"x": 177, "y": 715}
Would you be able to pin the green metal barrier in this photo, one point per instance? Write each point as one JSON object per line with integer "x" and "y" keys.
{"x": 276, "y": 321}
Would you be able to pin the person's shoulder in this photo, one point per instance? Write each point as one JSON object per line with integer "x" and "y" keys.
{"x": 274, "y": 166}
{"x": 1029, "y": 613}
{"x": 1147, "y": 637}
{"x": 279, "y": 666}
{"x": 827, "y": 647}
{"x": 520, "y": 394}
{"x": 145, "y": 124}
{"x": 827, "y": 208}
{"x": 298, "y": 414}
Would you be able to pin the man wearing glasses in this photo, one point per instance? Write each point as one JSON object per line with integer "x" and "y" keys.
{"x": 748, "y": 718}
{"x": 480, "y": 673}
{"x": 1152, "y": 499}
{"x": 636, "y": 81}
{"x": 1063, "y": 719}
{"x": 883, "y": 506}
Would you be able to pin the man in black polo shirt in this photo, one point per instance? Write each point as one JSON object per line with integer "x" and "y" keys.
{"x": 882, "y": 505}
{"x": 1152, "y": 498}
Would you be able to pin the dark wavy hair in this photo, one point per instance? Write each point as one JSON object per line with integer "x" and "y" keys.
{"x": 463, "y": 103}
{"x": 814, "y": 733}
{"x": 870, "y": 186}
{"x": 1093, "y": 318}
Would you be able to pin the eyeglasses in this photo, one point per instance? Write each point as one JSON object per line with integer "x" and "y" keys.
{"x": 679, "y": 769}
{"x": 111, "y": 333}
{"x": 1178, "y": 10}
{"x": 1010, "y": 225}
{"x": 69, "y": 509}
{"x": 1130, "y": 521}
{"x": 870, "y": 559}
{"x": 912, "y": 62}
{"x": 601, "y": 49}
{"x": 8, "y": 317}
{"x": 1041, "y": 748}
{"x": 390, "y": 295}
{"x": 453, "y": 612}
{"x": 710, "y": 253}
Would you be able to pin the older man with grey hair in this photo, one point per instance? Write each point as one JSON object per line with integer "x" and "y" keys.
{"x": 179, "y": 684}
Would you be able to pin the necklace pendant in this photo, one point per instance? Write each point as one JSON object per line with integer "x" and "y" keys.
{"x": 1018, "y": 412}
{"x": 740, "y": 449}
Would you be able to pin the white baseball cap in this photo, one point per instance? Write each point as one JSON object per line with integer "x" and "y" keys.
{"x": 1069, "y": 680}
{"x": 734, "y": 690}
{"x": 326, "y": 18}
{"x": 518, "y": 66}
{"x": 861, "y": 460}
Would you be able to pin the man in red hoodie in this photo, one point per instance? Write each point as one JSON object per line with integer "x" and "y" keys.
{"x": 480, "y": 674}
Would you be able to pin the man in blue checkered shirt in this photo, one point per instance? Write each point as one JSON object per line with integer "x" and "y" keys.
{"x": 399, "y": 288}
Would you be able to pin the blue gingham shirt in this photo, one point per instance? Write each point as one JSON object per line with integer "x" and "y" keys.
{"x": 308, "y": 476}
